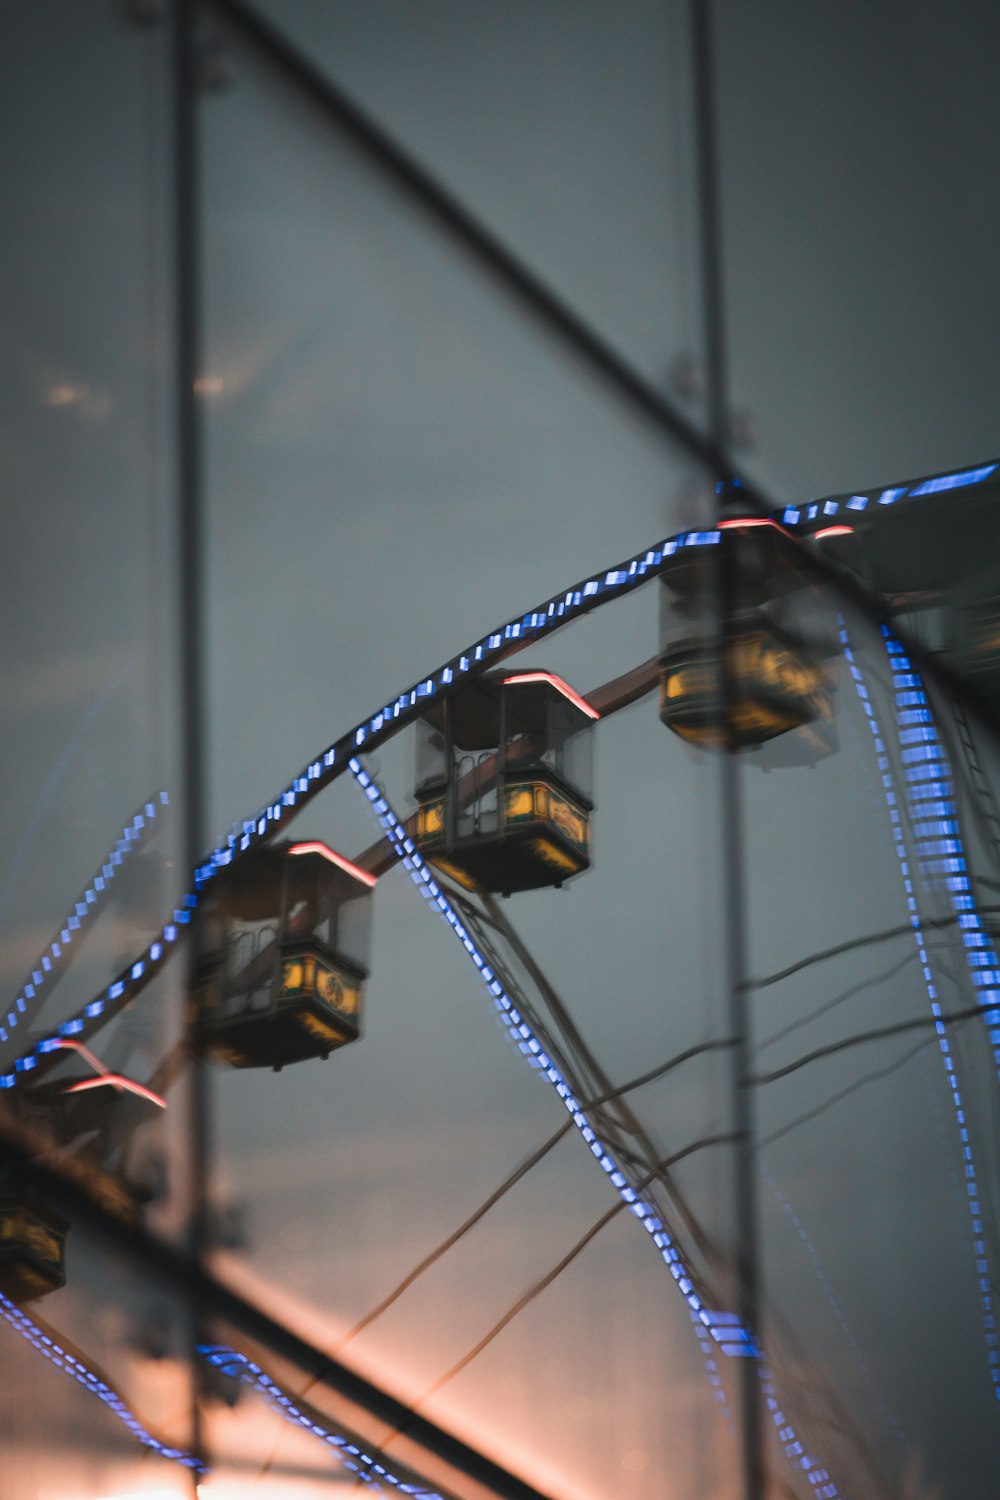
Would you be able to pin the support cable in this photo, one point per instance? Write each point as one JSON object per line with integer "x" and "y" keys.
{"x": 936, "y": 1022}
{"x": 545, "y": 1281}
{"x": 512, "y": 1179}
{"x": 725, "y": 1328}
{"x": 621, "y": 1123}
{"x": 869, "y": 940}
{"x": 852, "y": 1088}
{"x": 871, "y": 982}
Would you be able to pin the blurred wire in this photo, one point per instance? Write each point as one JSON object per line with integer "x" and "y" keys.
{"x": 514, "y": 1178}
{"x": 878, "y": 1034}
{"x": 839, "y": 999}
{"x": 550, "y": 1276}
{"x": 567, "y": 1260}
{"x": 509, "y": 1182}
{"x": 852, "y": 1088}
{"x": 869, "y": 940}
{"x": 619, "y": 1126}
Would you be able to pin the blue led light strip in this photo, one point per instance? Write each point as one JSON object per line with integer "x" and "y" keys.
{"x": 904, "y": 678}
{"x": 724, "y": 1328}
{"x": 930, "y": 794}
{"x": 793, "y": 1449}
{"x": 34, "y": 1334}
{"x": 953, "y": 481}
{"x": 319, "y": 773}
{"x": 816, "y": 514}
{"x": 50, "y": 965}
{"x": 368, "y": 1471}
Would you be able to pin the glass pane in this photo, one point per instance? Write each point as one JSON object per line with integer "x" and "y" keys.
{"x": 98, "y": 1382}
{"x": 397, "y": 462}
{"x": 854, "y": 146}
{"x": 92, "y": 809}
{"x": 362, "y": 377}
{"x": 566, "y": 128}
{"x": 875, "y": 1085}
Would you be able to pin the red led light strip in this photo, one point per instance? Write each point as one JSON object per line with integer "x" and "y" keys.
{"x": 316, "y": 846}
{"x": 117, "y": 1081}
{"x": 560, "y": 687}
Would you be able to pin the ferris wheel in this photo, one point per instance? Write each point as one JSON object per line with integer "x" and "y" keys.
{"x": 504, "y": 803}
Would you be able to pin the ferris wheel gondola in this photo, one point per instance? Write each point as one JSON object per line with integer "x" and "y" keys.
{"x": 32, "y": 1244}
{"x": 283, "y": 958}
{"x": 737, "y": 680}
{"x": 504, "y": 782}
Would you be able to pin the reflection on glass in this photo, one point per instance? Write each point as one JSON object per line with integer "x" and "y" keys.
{"x": 98, "y": 1394}
{"x": 761, "y": 674}
{"x": 521, "y": 1231}
{"x": 876, "y": 1159}
{"x": 425, "y": 439}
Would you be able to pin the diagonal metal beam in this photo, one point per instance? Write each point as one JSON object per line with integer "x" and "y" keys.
{"x": 564, "y": 322}
{"x": 189, "y": 1281}
{"x": 472, "y": 235}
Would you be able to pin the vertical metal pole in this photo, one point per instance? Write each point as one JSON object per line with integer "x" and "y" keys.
{"x": 733, "y": 902}
{"x": 190, "y": 563}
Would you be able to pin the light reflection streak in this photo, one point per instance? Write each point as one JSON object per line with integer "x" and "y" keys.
{"x": 835, "y": 1304}
{"x": 118, "y": 1081}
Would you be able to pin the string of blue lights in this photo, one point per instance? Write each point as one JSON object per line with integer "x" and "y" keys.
{"x": 930, "y": 792}
{"x": 906, "y": 682}
{"x": 47, "y": 968}
{"x": 363, "y": 1465}
{"x": 72, "y": 1364}
{"x": 232, "y": 1363}
{"x": 803, "y": 521}
{"x": 723, "y": 1328}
